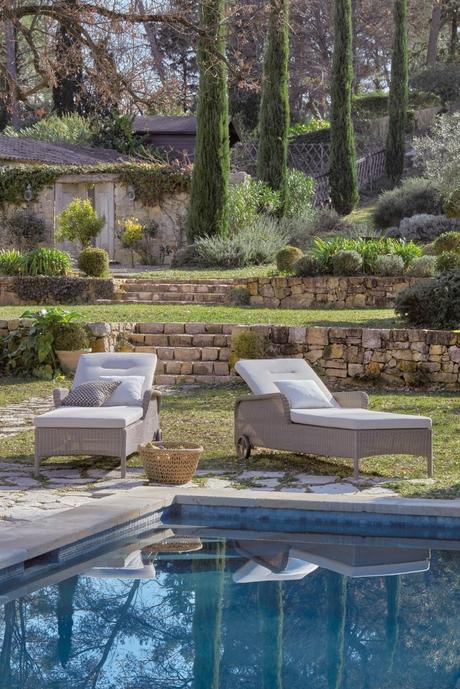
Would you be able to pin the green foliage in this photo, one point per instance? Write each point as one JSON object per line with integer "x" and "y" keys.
{"x": 94, "y": 262}
{"x": 61, "y": 290}
{"x": 79, "y": 222}
{"x": 71, "y": 338}
{"x": 307, "y": 266}
{"x": 343, "y": 175}
{"x": 424, "y": 227}
{"x": 208, "y": 209}
{"x": 286, "y": 257}
{"x": 398, "y": 98}
{"x": 115, "y": 131}
{"x": 452, "y": 204}
{"x": 376, "y": 103}
{"x": 300, "y": 195}
{"x": 10, "y": 262}
{"x": 68, "y": 129}
{"x": 442, "y": 79}
{"x": 432, "y": 303}
{"x": 448, "y": 260}
{"x": 248, "y": 200}
{"x": 249, "y": 344}
{"x": 423, "y": 267}
{"x": 449, "y": 241}
{"x": 414, "y": 196}
{"x": 369, "y": 250}
{"x": 25, "y": 229}
{"x": 31, "y": 352}
{"x": 389, "y": 265}
{"x": 313, "y": 125}
{"x": 151, "y": 182}
{"x": 44, "y": 261}
{"x": 254, "y": 245}
{"x": 346, "y": 263}
{"x": 274, "y": 107}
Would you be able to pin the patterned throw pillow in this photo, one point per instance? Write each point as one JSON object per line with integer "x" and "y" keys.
{"x": 91, "y": 394}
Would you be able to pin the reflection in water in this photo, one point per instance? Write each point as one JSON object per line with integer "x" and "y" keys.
{"x": 193, "y": 626}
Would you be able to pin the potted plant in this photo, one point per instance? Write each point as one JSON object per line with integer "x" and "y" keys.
{"x": 123, "y": 344}
{"x": 70, "y": 343}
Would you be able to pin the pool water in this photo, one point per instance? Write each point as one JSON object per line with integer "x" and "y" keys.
{"x": 239, "y": 614}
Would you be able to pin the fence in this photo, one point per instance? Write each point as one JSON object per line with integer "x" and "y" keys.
{"x": 314, "y": 160}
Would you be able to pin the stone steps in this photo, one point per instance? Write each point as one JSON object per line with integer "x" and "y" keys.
{"x": 140, "y": 291}
{"x": 197, "y": 356}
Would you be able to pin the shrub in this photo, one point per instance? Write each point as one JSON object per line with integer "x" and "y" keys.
{"x": 433, "y": 303}
{"x": 71, "y": 337}
{"x": 131, "y": 235}
{"x": 424, "y": 227}
{"x": 26, "y": 229}
{"x": 71, "y": 129}
{"x": 423, "y": 267}
{"x": 300, "y": 195}
{"x": 448, "y": 260}
{"x": 389, "y": 265}
{"x": 286, "y": 257}
{"x": 79, "y": 222}
{"x": 45, "y": 262}
{"x": 94, "y": 262}
{"x": 442, "y": 79}
{"x": 61, "y": 290}
{"x": 240, "y": 296}
{"x": 324, "y": 251}
{"x": 256, "y": 245}
{"x": 186, "y": 256}
{"x": 449, "y": 241}
{"x": 306, "y": 267}
{"x": 438, "y": 154}
{"x": 10, "y": 262}
{"x": 414, "y": 196}
{"x": 346, "y": 263}
{"x": 249, "y": 344}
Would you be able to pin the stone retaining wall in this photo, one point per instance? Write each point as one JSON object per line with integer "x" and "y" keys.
{"x": 343, "y": 356}
{"x": 341, "y": 292}
{"x": 54, "y": 290}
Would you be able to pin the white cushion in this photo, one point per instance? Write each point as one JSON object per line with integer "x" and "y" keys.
{"x": 93, "y": 366}
{"x": 128, "y": 394}
{"x": 301, "y": 394}
{"x": 357, "y": 419}
{"x": 260, "y": 374}
{"x": 89, "y": 417}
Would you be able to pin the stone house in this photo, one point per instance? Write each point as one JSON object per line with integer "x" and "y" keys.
{"x": 85, "y": 176}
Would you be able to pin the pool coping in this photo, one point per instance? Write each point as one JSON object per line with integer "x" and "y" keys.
{"x": 21, "y": 543}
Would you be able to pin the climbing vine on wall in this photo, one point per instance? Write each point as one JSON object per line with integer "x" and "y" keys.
{"x": 151, "y": 182}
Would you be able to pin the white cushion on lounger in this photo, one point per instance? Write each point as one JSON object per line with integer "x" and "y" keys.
{"x": 93, "y": 366}
{"x": 260, "y": 374}
{"x": 357, "y": 419}
{"x": 89, "y": 417}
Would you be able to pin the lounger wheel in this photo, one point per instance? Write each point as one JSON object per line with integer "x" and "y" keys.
{"x": 243, "y": 447}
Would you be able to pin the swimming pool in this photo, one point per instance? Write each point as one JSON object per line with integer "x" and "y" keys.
{"x": 177, "y": 607}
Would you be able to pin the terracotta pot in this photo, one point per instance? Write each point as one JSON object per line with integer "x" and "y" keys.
{"x": 69, "y": 360}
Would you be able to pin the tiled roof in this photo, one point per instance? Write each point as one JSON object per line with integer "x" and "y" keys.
{"x": 23, "y": 148}
{"x": 159, "y": 124}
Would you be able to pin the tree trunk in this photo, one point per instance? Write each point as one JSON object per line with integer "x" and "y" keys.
{"x": 435, "y": 26}
{"x": 5, "y": 654}
{"x": 336, "y": 587}
{"x": 270, "y": 599}
{"x": 157, "y": 56}
{"x": 64, "y": 614}
{"x": 12, "y": 71}
{"x": 453, "y": 35}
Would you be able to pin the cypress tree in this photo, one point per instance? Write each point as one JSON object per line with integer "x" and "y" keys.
{"x": 398, "y": 100}
{"x": 208, "y": 211}
{"x": 274, "y": 107}
{"x": 343, "y": 175}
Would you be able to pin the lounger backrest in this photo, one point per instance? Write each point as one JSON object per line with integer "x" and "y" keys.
{"x": 259, "y": 374}
{"x": 92, "y": 366}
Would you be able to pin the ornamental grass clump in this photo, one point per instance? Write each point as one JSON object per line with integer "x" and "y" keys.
{"x": 49, "y": 262}
{"x": 10, "y": 262}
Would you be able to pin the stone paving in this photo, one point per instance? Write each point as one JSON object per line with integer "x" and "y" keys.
{"x": 24, "y": 498}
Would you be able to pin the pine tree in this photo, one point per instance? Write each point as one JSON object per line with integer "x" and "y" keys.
{"x": 343, "y": 175}
{"x": 398, "y": 101}
{"x": 274, "y": 107}
{"x": 208, "y": 211}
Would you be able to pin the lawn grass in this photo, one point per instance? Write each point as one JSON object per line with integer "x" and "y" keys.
{"x": 366, "y": 318}
{"x": 190, "y": 273}
{"x": 14, "y": 390}
{"x": 205, "y": 415}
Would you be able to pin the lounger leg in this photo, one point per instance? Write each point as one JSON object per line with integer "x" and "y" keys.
{"x": 123, "y": 466}
{"x": 430, "y": 464}
{"x": 37, "y": 463}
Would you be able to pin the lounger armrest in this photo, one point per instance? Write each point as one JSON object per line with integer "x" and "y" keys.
{"x": 353, "y": 399}
{"x": 151, "y": 398}
{"x": 275, "y": 400}
{"x": 59, "y": 394}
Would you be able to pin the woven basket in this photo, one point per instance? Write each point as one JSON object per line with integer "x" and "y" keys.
{"x": 170, "y": 462}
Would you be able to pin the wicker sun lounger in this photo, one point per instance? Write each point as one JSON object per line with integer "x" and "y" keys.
{"x": 347, "y": 428}
{"x": 114, "y": 431}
